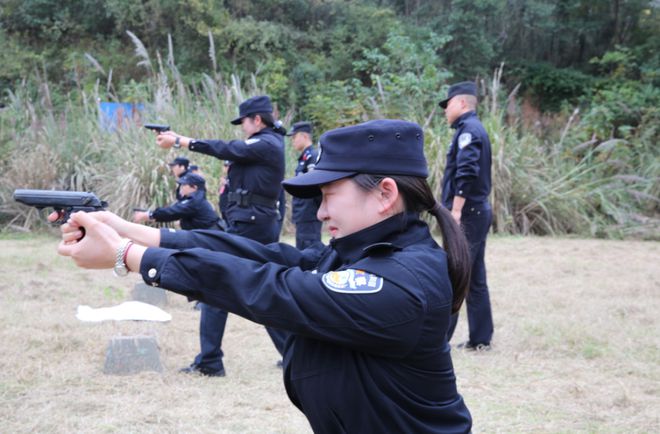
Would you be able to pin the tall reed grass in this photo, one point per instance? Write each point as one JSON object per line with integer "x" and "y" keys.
{"x": 604, "y": 188}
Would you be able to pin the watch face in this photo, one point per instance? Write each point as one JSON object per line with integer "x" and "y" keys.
{"x": 120, "y": 271}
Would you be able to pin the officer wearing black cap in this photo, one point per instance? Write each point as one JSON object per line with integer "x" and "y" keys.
{"x": 254, "y": 179}
{"x": 303, "y": 211}
{"x": 368, "y": 314}
{"x": 193, "y": 210}
{"x": 465, "y": 189}
{"x": 179, "y": 167}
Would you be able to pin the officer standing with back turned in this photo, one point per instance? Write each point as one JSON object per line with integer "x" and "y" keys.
{"x": 465, "y": 189}
{"x": 254, "y": 178}
{"x": 308, "y": 226}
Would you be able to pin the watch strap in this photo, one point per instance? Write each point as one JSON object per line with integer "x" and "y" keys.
{"x": 120, "y": 268}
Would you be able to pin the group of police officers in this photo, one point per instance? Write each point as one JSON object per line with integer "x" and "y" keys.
{"x": 251, "y": 201}
{"x": 368, "y": 318}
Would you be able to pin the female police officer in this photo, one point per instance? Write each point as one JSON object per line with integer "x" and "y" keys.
{"x": 254, "y": 189}
{"x": 368, "y": 314}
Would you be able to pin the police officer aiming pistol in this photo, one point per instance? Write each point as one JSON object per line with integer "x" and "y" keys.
{"x": 254, "y": 187}
{"x": 367, "y": 315}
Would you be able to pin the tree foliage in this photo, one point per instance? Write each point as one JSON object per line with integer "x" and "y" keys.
{"x": 314, "y": 43}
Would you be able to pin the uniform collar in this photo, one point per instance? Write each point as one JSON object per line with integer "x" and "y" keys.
{"x": 194, "y": 194}
{"x": 394, "y": 233}
{"x": 462, "y": 118}
{"x": 265, "y": 130}
{"x": 305, "y": 150}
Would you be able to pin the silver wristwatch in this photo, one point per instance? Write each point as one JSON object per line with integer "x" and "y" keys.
{"x": 177, "y": 142}
{"x": 120, "y": 269}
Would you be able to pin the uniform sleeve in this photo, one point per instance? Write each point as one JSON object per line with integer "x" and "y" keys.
{"x": 385, "y": 319}
{"x": 237, "y": 245}
{"x": 179, "y": 210}
{"x": 467, "y": 161}
{"x": 251, "y": 150}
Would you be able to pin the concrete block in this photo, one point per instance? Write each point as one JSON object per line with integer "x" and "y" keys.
{"x": 149, "y": 294}
{"x": 128, "y": 355}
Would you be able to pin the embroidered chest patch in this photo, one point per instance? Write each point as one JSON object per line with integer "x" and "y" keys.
{"x": 352, "y": 281}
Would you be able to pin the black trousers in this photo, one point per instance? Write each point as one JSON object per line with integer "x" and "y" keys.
{"x": 213, "y": 319}
{"x": 476, "y": 221}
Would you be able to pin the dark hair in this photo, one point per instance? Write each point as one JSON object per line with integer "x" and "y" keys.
{"x": 269, "y": 120}
{"x": 418, "y": 197}
{"x": 266, "y": 117}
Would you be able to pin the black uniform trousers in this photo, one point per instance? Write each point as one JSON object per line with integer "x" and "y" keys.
{"x": 213, "y": 319}
{"x": 475, "y": 221}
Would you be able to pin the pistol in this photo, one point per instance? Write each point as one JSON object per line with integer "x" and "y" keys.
{"x": 64, "y": 202}
{"x": 157, "y": 127}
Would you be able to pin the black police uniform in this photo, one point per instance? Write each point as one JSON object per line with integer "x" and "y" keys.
{"x": 254, "y": 175}
{"x": 368, "y": 314}
{"x": 254, "y": 185}
{"x": 468, "y": 174}
{"x": 223, "y": 202}
{"x": 193, "y": 211}
{"x": 281, "y": 211}
{"x": 303, "y": 211}
{"x": 367, "y": 353}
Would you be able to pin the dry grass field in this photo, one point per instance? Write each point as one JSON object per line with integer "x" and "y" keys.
{"x": 577, "y": 349}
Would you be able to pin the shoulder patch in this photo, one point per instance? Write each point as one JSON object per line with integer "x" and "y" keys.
{"x": 251, "y": 141}
{"x": 464, "y": 140}
{"x": 352, "y": 281}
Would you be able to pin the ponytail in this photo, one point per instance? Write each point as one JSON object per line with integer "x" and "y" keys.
{"x": 458, "y": 253}
{"x": 269, "y": 120}
{"x": 417, "y": 196}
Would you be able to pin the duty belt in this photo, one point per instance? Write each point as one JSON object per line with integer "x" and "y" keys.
{"x": 245, "y": 198}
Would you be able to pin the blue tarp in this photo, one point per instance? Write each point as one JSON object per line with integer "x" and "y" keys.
{"x": 113, "y": 115}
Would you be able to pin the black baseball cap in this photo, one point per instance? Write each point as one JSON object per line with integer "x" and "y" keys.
{"x": 382, "y": 147}
{"x": 181, "y": 161}
{"x": 462, "y": 88}
{"x": 301, "y": 127}
{"x": 256, "y": 104}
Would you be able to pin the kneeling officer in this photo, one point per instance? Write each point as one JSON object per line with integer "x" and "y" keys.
{"x": 194, "y": 211}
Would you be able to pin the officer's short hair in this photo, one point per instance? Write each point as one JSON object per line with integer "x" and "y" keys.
{"x": 470, "y": 101}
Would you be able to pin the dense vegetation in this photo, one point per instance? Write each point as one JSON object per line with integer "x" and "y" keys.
{"x": 573, "y": 113}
